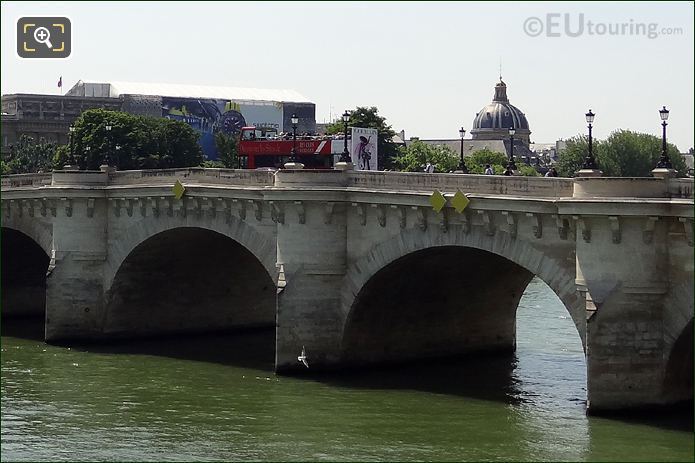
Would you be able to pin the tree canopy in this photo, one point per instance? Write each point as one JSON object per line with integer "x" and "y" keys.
{"x": 368, "y": 117}
{"x": 28, "y": 156}
{"x": 134, "y": 142}
{"x": 417, "y": 154}
{"x": 478, "y": 159}
{"x": 227, "y": 151}
{"x": 623, "y": 154}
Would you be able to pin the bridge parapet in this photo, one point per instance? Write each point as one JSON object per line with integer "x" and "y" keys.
{"x": 632, "y": 187}
{"x": 26, "y": 180}
{"x": 193, "y": 175}
{"x": 681, "y": 187}
{"x": 480, "y": 184}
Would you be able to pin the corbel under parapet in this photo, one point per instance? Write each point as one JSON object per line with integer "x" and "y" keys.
{"x": 614, "y": 222}
{"x": 361, "y": 212}
{"x": 328, "y": 212}
{"x": 583, "y": 226}
{"x": 488, "y": 222}
{"x": 511, "y": 223}
{"x": 301, "y": 211}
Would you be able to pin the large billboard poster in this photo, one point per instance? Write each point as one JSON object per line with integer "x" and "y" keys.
{"x": 210, "y": 116}
{"x": 363, "y": 148}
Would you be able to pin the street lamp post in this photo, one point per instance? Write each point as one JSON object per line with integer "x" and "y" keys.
{"x": 345, "y": 157}
{"x": 462, "y": 165}
{"x": 72, "y": 154}
{"x": 589, "y": 161}
{"x": 293, "y": 155}
{"x": 511, "y": 166}
{"x": 108, "y": 144}
{"x": 293, "y": 163}
{"x": 665, "y": 161}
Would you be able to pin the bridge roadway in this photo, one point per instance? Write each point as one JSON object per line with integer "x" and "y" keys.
{"x": 359, "y": 268}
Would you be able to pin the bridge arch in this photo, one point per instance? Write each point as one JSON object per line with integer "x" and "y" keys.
{"x": 40, "y": 232}
{"x": 262, "y": 247}
{"x": 514, "y": 260}
{"x": 188, "y": 277}
{"x": 24, "y": 265}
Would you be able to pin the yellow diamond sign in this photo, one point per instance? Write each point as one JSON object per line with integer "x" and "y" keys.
{"x": 460, "y": 201}
{"x": 437, "y": 200}
{"x": 178, "y": 190}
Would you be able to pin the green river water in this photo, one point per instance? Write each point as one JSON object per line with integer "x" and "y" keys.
{"x": 216, "y": 398}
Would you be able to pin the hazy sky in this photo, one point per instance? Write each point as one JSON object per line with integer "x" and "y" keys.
{"x": 428, "y": 67}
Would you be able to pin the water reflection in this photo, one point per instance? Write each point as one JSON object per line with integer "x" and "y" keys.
{"x": 215, "y": 398}
{"x": 484, "y": 377}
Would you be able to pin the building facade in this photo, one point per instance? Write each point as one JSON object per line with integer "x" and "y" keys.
{"x": 46, "y": 117}
{"x": 207, "y": 109}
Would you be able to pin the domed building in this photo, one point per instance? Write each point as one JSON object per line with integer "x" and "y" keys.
{"x": 494, "y": 121}
{"x": 491, "y": 130}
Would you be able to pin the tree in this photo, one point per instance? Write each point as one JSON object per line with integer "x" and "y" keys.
{"x": 477, "y": 161}
{"x": 227, "y": 150}
{"x": 623, "y": 154}
{"x": 417, "y": 154}
{"x": 527, "y": 171}
{"x": 134, "y": 142}
{"x": 369, "y": 118}
{"x": 571, "y": 158}
{"x": 27, "y": 156}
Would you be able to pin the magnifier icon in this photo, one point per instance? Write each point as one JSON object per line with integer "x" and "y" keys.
{"x": 43, "y": 35}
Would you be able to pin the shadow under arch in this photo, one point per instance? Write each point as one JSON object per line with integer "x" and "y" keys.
{"x": 678, "y": 377}
{"x": 436, "y": 302}
{"x": 260, "y": 246}
{"x": 24, "y": 266}
{"x": 517, "y": 261}
{"x": 188, "y": 280}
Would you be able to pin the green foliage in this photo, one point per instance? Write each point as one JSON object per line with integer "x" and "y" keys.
{"x": 478, "y": 159}
{"x": 227, "y": 150}
{"x": 526, "y": 170}
{"x": 134, "y": 142}
{"x": 61, "y": 156}
{"x": 623, "y": 154}
{"x": 213, "y": 164}
{"x": 369, "y": 118}
{"x": 417, "y": 154}
{"x": 571, "y": 158}
{"x": 27, "y": 156}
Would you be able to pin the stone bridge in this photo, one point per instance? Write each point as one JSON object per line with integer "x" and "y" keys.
{"x": 358, "y": 267}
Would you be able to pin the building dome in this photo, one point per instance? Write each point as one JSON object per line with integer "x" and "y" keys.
{"x": 494, "y": 120}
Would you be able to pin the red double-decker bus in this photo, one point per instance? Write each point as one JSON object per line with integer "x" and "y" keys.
{"x": 262, "y": 147}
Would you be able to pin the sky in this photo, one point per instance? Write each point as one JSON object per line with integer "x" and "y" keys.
{"x": 428, "y": 67}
